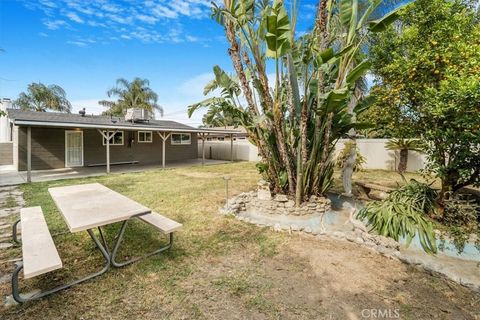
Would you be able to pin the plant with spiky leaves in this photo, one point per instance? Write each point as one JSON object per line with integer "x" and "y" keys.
{"x": 295, "y": 121}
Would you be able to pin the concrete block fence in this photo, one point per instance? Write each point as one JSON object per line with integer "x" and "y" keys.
{"x": 374, "y": 151}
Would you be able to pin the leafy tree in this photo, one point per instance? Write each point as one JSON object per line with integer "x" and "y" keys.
{"x": 40, "y": 97}
{"x": 427, "y": 85}
{"x": 295, "y": 121}
{"x": 135, "y": 94}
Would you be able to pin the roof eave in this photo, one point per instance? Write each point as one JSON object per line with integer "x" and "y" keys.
{"x": 118, "y": 127}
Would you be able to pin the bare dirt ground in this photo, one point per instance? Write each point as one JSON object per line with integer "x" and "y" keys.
{"x": 310, "y": 279}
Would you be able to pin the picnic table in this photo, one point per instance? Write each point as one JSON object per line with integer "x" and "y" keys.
{"x": 84, "y": 207}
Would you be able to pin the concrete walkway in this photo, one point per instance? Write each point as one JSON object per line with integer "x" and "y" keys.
{"x": 9, "y": 176}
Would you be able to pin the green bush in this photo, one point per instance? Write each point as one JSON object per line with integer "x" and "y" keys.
{"x": 404, "y": 214}
{"x": 460, "y": 219}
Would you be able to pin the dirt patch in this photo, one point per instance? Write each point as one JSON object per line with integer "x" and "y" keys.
{"x": 312, "y": 279}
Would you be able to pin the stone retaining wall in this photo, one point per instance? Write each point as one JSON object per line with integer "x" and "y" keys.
{"x": 280, "y": 204}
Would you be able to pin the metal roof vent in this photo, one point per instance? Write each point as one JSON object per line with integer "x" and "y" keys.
{"x": 82, "y": 112}
{"x": 137, "y": 115}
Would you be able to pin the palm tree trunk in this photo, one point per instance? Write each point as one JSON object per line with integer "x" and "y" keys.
{"x": 322, "y": 34}
{"x": 402, "y": 165}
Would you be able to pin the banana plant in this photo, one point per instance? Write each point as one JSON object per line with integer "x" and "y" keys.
{"x": 296, "y": 121}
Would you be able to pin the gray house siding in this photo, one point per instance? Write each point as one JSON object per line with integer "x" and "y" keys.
{"x": 48, "y": 149}
{"x": 6, "y": 153}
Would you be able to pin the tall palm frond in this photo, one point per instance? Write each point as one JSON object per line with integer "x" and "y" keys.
{"x": 40, "y": 97}
{"x": 135, "y": 94}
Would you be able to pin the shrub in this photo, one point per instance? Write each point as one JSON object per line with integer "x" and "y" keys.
{"x": 403, "y": 214}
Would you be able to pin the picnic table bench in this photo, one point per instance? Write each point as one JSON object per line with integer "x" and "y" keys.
{"x": 84, "y": 208}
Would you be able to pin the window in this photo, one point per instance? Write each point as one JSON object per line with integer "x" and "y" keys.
{"x": 117, "y": 139}
{"x": 181, "y": 138}
{"x": 145, "y": 136}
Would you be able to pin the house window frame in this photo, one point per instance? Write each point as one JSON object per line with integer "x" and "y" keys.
{"x": 145, "y": 141}
{"x": 104, "y": 142}
{"x": 181, "y": 143}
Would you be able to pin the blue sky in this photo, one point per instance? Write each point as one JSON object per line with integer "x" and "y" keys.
{"x": 84, "y": 45}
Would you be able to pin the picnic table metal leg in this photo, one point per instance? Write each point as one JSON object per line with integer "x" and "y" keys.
{"x": 14, "y": 232}
{"x": 19, "y": 266}
{"x": 125, "y": 263}
{"x": 103, "y": 240}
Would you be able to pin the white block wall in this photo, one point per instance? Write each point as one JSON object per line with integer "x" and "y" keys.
{"x": 377, "y": 157}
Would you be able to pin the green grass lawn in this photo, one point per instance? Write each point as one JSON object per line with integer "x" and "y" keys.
{"x": 190, "y": 196}
{"x": 218, "y": 267}
{"x": 384, "y": 177}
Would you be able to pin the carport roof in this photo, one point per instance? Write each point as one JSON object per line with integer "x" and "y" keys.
{"x": 70, "y": 120}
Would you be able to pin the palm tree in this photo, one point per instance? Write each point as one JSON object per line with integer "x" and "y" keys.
{"x": 404, "y": 145}
{"x": 40, "y": 97}
{"x": 219, "y": 118}
{"x": 222, "y": 111}
{"x": 135, "y": 94}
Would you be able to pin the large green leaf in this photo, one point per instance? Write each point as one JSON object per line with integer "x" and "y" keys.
{"x": 278, "y": 35}
{"x": 345, "y": 11}
{"x": 335, "y": 98}
{"x": 381, "y": 24}
{"x": 373, "y": 5}
{"x": 358, "y": 71}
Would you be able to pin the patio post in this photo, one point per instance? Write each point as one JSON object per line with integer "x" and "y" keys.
{"x": 203, "y": 149}
{"x": 231, "y": 146}
{"x": 108, "y": 136}
{"x": 164, "y": 138}
{"x": 29, "y": 154}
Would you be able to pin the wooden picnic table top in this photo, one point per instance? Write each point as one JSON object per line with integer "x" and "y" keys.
{"x": 86, "y": 206}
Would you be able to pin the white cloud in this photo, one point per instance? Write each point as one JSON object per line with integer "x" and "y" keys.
{"x": 47, "y": 3}
{"x": 145, "y": 20}
{"x": 74, "y": 17}
{"x": 55, "y": 24}
{"x": 187, "y": 93}
{"x": 80, "y": 44}
{"x": 164, "y": 12}
{"x": 194, "y": 86}
{"x": 110, "y": 7}
{"x": 191, "y": 38}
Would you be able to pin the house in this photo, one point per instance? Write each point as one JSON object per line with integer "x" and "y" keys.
{"x": 241, "y": 134}
{"x": 49, "y": 140}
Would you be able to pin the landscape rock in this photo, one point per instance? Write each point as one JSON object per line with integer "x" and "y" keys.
{"x": 280, "y": 198}
{"x": 294, "y": 227}
{"x": 264, "y": 195}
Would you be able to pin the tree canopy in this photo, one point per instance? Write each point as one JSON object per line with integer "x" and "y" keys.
{"x": 427, "y": 85}
{"x": 134, "y": 94}
{"x": 40, "y": 97}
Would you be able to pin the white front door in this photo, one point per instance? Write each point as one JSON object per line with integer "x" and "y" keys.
{"x": 73, "y": 148}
